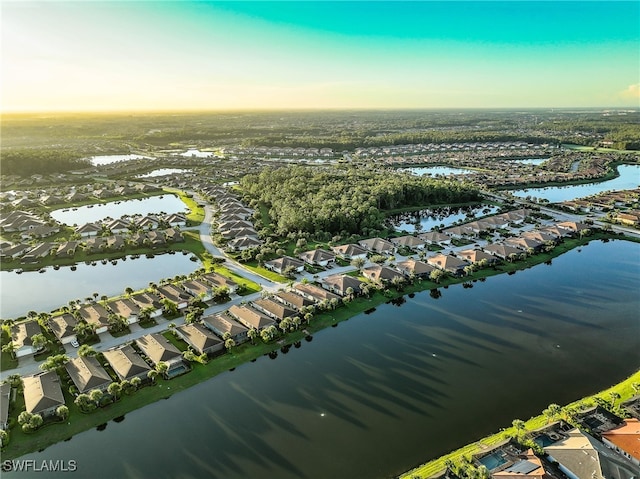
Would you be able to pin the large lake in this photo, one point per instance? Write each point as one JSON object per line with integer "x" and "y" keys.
{"x": 385, "y": 391}
{"x": 115, "y": 209}
{"x": 629, "y": 178}
{"x": 21, "y": 293}
{"x": 438, "y": 170}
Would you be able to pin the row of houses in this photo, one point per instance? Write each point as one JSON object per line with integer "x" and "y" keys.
{"x": 28, "y": 224}
{"x": 29, "y": 253}
{"x": 132, "y": 223}
{"x": 418, "y": 148}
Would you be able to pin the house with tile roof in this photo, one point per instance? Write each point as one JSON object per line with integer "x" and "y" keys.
{"x": 63, "y": 327}
{"x": 222, "y": 323}
{"x": 126, "y": 363}
{"x": 625, "y": 440}
{"x": 21, "y": 337}
{"x": 42, "y": 393}
{"x": 200, "y": 339}
{"x": 87, "y": 373}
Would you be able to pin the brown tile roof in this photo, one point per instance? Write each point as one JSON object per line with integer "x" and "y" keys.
{"x": 626, "y": 437}
{"x": 87, "y": 374}
{"x": 42, "y": 392}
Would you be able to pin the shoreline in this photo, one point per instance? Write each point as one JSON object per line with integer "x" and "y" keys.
{"x": 21, "y": 443}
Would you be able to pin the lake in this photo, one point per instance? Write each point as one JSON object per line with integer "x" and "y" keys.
{"x": 629, "y": 178}
{"x": 197, "y": 153}
{"x": 530, "y": 161}
{"x": 438, "y": 216}
{"x": 21, "y": 293}
{"x": 438, "y": 170}
{"x": 108, "y": 159}
{"x": 388, "y": 390}
{"x": 163, "y": 172}
{"x": 115, "y": 209}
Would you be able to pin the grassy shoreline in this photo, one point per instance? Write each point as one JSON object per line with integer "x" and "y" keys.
{"x": 436, "y": 466}
{"x": 21, "y": 443}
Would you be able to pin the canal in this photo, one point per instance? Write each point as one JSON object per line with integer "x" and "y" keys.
{"x": 385, "y": 391}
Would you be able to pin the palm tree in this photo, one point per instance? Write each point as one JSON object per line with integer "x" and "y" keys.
{"x": 229, "y": 343}
{"x": 613, "y": 394}
{"x": 9, "y": 348}
{"x": 358, "y": 262}
{"x": 253, "y": 334}
{"x": 39, "y": 341}
{"x": 162, "y": 367}
{"x": 114, "y": 389}
{"x": 62, "y": 412}
{"x": 83, "y": 401}
{"x": 86, "y": 350}
{"x": 135, "y": 382}
{"x": 551, "y": 412}
{"x": 636, "y": 388}
{"x": 152, "y": 375}
{"x": 519, "y": 426}
{"x": 95, "y": 395}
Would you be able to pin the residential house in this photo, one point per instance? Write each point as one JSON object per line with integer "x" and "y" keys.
{"x": 524, "y": 243}
{"x": 176, "y": 220}
{"x": 572, "y": 226}
{"x": 628, "y": 218}
{"x": 159, "y": 349}
{"x": 87, "y": 373}
{"x": 476, "y": 255}
{"x": 219, "y": 281}
{"x": 377, "y": 245}
{"x": 448, "y": 263}
{"x": 127, "y": 308}
{"x": 580, "y": 456}
{"x": 148, "y": 300}
{"x": 250, "y": 318}
{"x": 293, "y": 300}
{"x": 433, "y": 237}
{"x": 350, "y": 251}
{"x": 175, "y": 294}
{"x": 318, "y": 257}
{"x": 43, "y": 394}
{"x": 273, "y": 309}
{"x": 15, "y": 251}
{"x": 625, "y": 440}
{"x": 243, "y": 242}
{"x": 198, "y": 337}
{"x": 540, "y": 236}
{"x": 221, "y": 324}
{"x": 239, "y": 232}
{"x": 502, "y": 251}
{"x": 340, "y": 283}
{"x": 173, "y": 235}
{"x": 41, "y": 251}
{"x": 281, "y": 265}
{"x": 63, "y": 327}
{"x": 229, "y": 225}
{"x": 126, "y": 363}
{"x": 528, "y": 467}
{"x": 97, "y": 315}
{"x": 414, "y": 267}
{"x": 381, "y": 274}
{"x": 117, "y": 226}
{"x": 411, "y": 242}
{"x": 459, "y": 231}
{"x": 198, "y": 289}
{"x": 314, "y": 293}
{"x": 66, "y": 249}
{"x": 21, "y": 337}
{"x": 147, "y": 223}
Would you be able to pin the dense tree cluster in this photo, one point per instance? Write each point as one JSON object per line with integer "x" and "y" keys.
{"x": 28, "y": 162}
{"x": 344, "y": 200}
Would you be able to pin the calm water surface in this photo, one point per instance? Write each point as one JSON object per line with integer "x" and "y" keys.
{"x": 197, "y": 153}
{"x": 86, "y": 214}
{"x": 21, "y": 293}
{"x": 629, "y": 178}
{"x": 439, "y": 216}
{"x": 163, "y": 172}
{"x": 385, "y": 391}
{"x": 438, "y": 170}
{"x": 108, "y": 159}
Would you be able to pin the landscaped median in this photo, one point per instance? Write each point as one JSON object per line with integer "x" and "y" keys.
{"x": 624, "y": 390}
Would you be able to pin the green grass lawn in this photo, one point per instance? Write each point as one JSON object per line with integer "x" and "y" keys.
{"x": 196, "y": 216}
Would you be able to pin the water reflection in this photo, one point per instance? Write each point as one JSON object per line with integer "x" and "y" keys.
{"x": 57, "y": 287}
{"x": 629, "y": 178}
{"x": 438, "y": 217}
{"x": 438, "y": 170}
{"x": 168, "y": 204}
{"x": 108, "y": 159}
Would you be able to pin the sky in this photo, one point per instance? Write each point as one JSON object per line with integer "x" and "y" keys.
{"x": 180, "y": 55}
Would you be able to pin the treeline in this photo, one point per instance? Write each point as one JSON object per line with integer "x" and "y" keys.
{"x": 28, "y": 162}
{"x": 344, "y": 201}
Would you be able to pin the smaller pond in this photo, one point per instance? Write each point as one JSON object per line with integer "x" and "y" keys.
{"x": 163, "y": 172}
{"x": 21, "y": 293}
{"x": 197, "y": 153}
{"x": 629, "y": 178}
{"x": 438, "y": 170}
{"x": 168, "y": 204}
{"x": 530, "y": 161}
{"x": 108, "y": 159}
{"x": 439, "y": 216}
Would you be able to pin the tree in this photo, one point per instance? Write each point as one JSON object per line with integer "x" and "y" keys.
{"x": 519, "y": 426}
{"x": 4, "y": 438}
{"x": 551, "y": 412}
{"x": 95, "y": 395}
{"x": 436, "y": 275}
{"x": 56, "y": 362}
{"x": 135, "y": 382}
{"x": 114, "y": 389}
{"x": 398, "y": 282}
{"x": 169, "y": 307}
{"x": 35, "y": 422}
{"x": 229, "y": 343}
{"x": 269, "y": 333}
{"x": 190, "y": 356}
{"x": 152, "y": 375}
{"x": 86, "y": 350}
{"x": 126, "y": 387}
{"x": 253, "y": 334}
{"x": 358, "y": 262}
{"x": 9, "y": 348}
{"x": 285, "y": 325}
{"x": 349, "y": 292}
{"x": 39, "y": 341}
{"x": 24, "y": 417}
{"x": 83, "y": 401}
{"x": 162, "y": 367}
{"x": 636, "y": 388}
{"x": 62, "y": 412}
{"x": 614, "y": 397}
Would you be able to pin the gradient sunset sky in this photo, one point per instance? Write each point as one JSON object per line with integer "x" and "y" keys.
{"x": 175, "y": 55}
